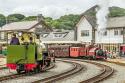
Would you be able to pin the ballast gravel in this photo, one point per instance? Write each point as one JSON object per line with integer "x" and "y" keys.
{"x": 6, "y": 72}
{"x": 89, "y": 71}
{"x": 60, "y": 67}
{"x": 119, "y": 74}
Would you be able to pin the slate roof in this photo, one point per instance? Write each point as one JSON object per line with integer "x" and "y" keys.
{"x": 91, "y": 18}
{"x": 25, "y": 25}
{"x": 116, "y": 22}
{"x": 58, "y": 36}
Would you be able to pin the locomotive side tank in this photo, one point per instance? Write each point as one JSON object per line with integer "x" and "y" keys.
{"x": 21, "y": 57}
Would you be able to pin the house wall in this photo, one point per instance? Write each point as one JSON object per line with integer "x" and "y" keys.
{"x": 109, "y": 38}
{"x": 109, "y": 42}
{"x": 84, "y": 25}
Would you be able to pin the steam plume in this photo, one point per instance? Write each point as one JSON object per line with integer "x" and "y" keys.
{"x": 102, "y": 14}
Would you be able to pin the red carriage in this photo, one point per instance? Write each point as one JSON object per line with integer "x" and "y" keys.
{"x": 77, "y": 51}
{"x": 59, "y": 51}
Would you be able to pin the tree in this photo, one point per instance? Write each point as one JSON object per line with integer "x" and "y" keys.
{"x": 116, "y": 12}
{"x": 2, "y": 20}
{"x": 49, "y": 21}
{"x": 66, "y": 22}
{"x": 15, "y": 17}
{"x": 30, "y": 18}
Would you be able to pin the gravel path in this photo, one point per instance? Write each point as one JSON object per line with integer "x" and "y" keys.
{"x": 119, "y": 74}
{"x": 2, "y": 62}
{"x": 91, "y": 71}
{"x": 6, "y": 72}
{"x": 60, "y": 67}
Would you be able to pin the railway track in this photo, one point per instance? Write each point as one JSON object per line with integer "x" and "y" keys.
{"x": 13, "y": 76}
{"x": 76, "y": 68}
{"x": 104, "y": 74}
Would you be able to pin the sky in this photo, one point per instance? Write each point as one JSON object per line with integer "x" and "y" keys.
{"x": 50, "y": 8}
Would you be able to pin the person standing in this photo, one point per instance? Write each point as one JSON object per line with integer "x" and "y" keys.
{"x": 14, "y": 40}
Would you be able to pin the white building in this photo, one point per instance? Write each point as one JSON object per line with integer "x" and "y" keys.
{"x": 86, "y": 31}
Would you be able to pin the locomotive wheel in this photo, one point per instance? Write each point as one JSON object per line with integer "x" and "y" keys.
{"x": 48, "y": 63}
{"x": 94, "y": 57}
{"x": 18, "y": 71}
{"x": 36, "y": 70}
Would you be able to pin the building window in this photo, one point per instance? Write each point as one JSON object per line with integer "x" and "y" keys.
{"x": 115, "y": 32}
{"x": 58, "y": 35}
{"x": 45, "y": 35}
{"x": 105, "y": 33}
{"x": 85, "y": 33}
{"x": 121, "y": 32}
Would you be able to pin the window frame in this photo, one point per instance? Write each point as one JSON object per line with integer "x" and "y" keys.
{"x": 105, "y": 33}
{"x": 116, "y": 32}
{"x": 85, "y": 33}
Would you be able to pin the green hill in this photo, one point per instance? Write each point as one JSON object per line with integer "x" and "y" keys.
{"x": 116, "y": 12}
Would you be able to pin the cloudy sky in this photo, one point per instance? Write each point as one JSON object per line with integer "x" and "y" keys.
{"x": 52, "y": 8}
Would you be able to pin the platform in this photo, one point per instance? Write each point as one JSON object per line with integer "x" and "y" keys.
{"x": 120, "y": 61}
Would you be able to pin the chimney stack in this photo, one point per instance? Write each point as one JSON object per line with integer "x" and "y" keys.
{"x": 40, "y": 17}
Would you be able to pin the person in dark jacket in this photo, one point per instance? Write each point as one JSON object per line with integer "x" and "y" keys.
{"x": 14, "y": 40}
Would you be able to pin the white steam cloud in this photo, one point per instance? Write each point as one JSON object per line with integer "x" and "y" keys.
{"x": 102, "y": 14}
{"x": 103, "y": 10}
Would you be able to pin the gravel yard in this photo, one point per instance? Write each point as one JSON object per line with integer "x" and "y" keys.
{"x": 60, "y": 67}
{"x": 2, "y": 62}
{"x": 5, "y": 72}
{"x": 91, "y": 71}
{"x": 119, "y": 74}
